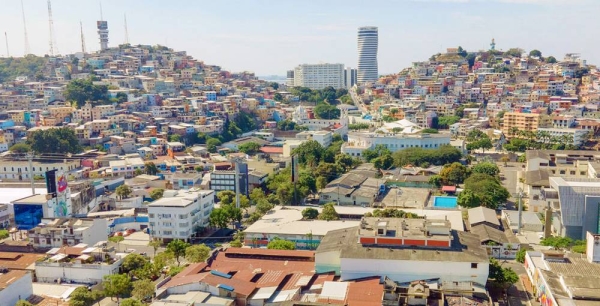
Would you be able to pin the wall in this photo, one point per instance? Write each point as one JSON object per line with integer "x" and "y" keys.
{"x": 328, "y": 261}
{"x": 409, "y": 270}
{"x": 20, "y": 289}
{"x": 49, "y": 272}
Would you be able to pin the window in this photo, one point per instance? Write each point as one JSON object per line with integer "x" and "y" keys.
{"x": 151, "y": 215}
{"x": 473, "y": 265}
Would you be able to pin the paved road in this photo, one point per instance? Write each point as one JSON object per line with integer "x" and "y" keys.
{"x": 517, "y": 295}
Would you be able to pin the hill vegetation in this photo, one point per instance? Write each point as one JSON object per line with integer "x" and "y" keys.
{"x": 30, "y": 66}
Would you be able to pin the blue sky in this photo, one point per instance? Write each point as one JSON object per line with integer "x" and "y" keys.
{"x": 270, "y": 37}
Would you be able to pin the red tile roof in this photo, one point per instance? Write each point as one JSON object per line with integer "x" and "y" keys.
{"x": 367, "y": 292}
{"x": 239, "y": 286}
{"x": 272, "y": 150}
{"x": 267, "y": 252}
{"x": 18, "y": 261}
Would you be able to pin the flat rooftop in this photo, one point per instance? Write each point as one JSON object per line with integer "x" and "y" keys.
{"x": 19, "y": 261}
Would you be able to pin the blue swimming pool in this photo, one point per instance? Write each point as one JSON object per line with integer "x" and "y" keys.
{"x": 444, "y": 202}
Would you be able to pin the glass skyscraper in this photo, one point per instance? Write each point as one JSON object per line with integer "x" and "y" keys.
{"x": 367, "y": 54}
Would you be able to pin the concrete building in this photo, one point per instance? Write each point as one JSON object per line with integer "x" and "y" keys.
{"x": 324, "y": 138}
{"x": 225, "y": 180}
{"x": 319, "y": 76}
{"x": 178, "y": 213}
{"x": 368, "y": 40}
{"x": 360, "y": 141}
{"x": 576, "y": 202}
{"x": 520, "y": 121}
{"x": 350, "y": 75}
{"x": 58, "y": 232}
{"x": 530, "y": 221}
{"x": 15, "y": 285}
{"x": 404, "y": 250}
{"x": 352, "y": 189}
{"x": 19, "y": 169}
{"x": 578, "y": 135}
{"x": 288, "y": 224}
{"x": 561, "y": 279}
{"x": 126, "y": 167}
{"x": 80, "y": 264}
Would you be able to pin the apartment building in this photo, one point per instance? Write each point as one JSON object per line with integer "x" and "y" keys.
{"x": 179, "y": 213}
{"x": 126, "y": 167}
{"x": 225, "y": 180}
{"x": 324, "y": 138}
{"x": 319, "y": 76}
{"x": 59, "y": 232}
{"x": 20, "y": 170}
{"x": 520, "y": 121}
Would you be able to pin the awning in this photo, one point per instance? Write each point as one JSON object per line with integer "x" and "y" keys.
{"x": 53, "y": 251}
{"x": 58, "y": 257}
{"x": 449, "y": 188}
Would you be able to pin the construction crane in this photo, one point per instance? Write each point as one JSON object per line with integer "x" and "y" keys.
{"x": 126, "y": 32}
{"x": 25, "y": 30}
{"x": 82, "y": 37}
{"x": 6, "y": 39}
{"x": 52, "y": 39}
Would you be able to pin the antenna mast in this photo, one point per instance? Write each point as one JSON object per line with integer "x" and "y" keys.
{"x": 25, "y": 30}
{"x": 6, "y": 39}
{"x": 82, "y": 37}
{"x": 126, "y": 32}
{"x": 51, "y": 25}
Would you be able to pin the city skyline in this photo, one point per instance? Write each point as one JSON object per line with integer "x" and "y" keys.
{"x": 259, "y": 36}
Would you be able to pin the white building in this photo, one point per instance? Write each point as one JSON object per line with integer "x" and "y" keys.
{"x": 79, "y": 264}
{"x": 404, "y": 250}
{"x": 360, "y": 141}
{"x": 58, "y": 232}
{"x": 577, "y": 134}
{"x": 15, "y": 285}
{"x": 368, "y": 40}
{"x": 324, "y": 138}
{"x": 179, "y": 212}
{"x": 19, "y": 169}
{"x": 319, "y": 76}
{"x": 337, "y": 126}
{"x": 126, "y": 167}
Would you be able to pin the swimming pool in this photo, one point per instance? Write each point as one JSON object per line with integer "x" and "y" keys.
{"x": 444, "y": 202}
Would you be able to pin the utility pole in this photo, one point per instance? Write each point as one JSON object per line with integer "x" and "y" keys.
{"x": 25, "y": 30}
{"x": 6, "y": 39}
{"x": 30, "y": 159}
{"x": 520, "y": 195}
{"x": 82, "y": 37}
{"x": 237, "y": 184}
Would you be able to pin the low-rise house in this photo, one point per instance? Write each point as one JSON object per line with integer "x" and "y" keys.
{"x": 352, "y": 189}
{"x": 58, "y": 232}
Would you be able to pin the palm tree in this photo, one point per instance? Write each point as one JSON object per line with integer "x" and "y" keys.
{"x": 309, "y": 236}
{"x": 513, "y": 131}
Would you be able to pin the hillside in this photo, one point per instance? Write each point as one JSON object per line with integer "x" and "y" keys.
{"x": 12, "y": 67}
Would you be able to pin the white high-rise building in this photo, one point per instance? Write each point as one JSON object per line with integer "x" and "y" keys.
{"x": 349, "y": 77}
{"x": 103, "y": 34}
{"x": 319, "y": 76}
{"x": 367, "y": 54}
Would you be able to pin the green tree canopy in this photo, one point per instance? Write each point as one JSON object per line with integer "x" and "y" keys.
{"x": 157, "y": 193}
{"x": 535, "y": 52}
{"x": 310, "y": 213}
{"x": 197, "y": 253}
{"x": 328, "y": 213}
{"x": 116, "y": 285}
{"x": 557, "y": 242}
{"x": 29, "y": 65}
{"x": 131, "y": 302}
{"x": 454, "y": 174}
{"x": 133, "y": 262}
{"x": 487, "y": 189}
{"x": 20, "y": 147}
{"x": 143, "y": 289}
{"x": 150, "y": 168}
{"x": 81, "y": 296}
{"x": 23, "y": 303}
{"x": 123, "y": 191}
{"x": 551, "y": 60}
{"x": 54, "y": 140}
{"x": 326, "y": 111}
{"x": 83, "y": 90}
{"x": 226, "y": 197}
{"x": 177, "y": 248}
{"x": 309, "y": 152}
{"x": 488, "y": 168}
{"x": 280, "y": 244}
{"x": 212, "y": 144}
{"x": 218, "y": 218}
{"x": 250, "y": 148}
{"x": 503, "y": 277}
{"x": 420, "y": 156}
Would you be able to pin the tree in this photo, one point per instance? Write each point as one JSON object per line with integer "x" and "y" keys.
{"x": 133, "y": 262}
{"x": 488, "y": 168}
{"x": 309, "y": 152}
{"x": 155, "y": 244}
{"x": 536, "y": 53}
{"x": 123, "y": 191}
{"x": 326, "y": 111}
{"x": 521, "y": 255}
{"x": 468, "y": 199}
{"x": 212, "y": 144}
{"x": 175, "y": 138}
{"x": 197, "y": 253}
{"x": 250, "y": 148}
{"x": 83, "y": 90}
{"x": 143, "y": 289}
{"x": 310, "y": 213}
{"x": 20, "y": 147}
{"x": 280, "y": 244}
{"x": 116, "y": 239}
{"x": 551, "y": 60}
{"x": 420, "y": 156}
{"x": 131, "y": 302}
{"x": 116, "y": 285}
{"x": 81, "y": 296}
{"x": 54, "y": 140}
{"x": 328, "y": 213}
{"x": 177, "y": 248}
{"x": 263, "y": 206}
{"x": 218, "y": 218}
{"x": 256, "y": 195}
{"x": 503, "y": 277}
{"x": 557, "y": 242}
{"x": 321, "y": 182}
{"x": 150, "y": 168}
{"x": 138, "y": 172}
{"x": 226, "y": 197}
{"x": 429, "y": 131}
{"x": 278, "y": 97}
{"x": 233, "y": 213}
{"x": 23, "y": 303}
{"x": 487, "y": 189}
{"x": 162, "y": 259}
{"x": 505, "y": 159}
{"x": 454, "y": 174}
{"x": 244, "y": 202}
{"x": 383, "y": 162}
{"x": 157, "y": 193}
{"x": 483, "y": 143}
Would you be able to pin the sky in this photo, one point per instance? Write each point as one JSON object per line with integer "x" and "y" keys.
{"x": 269, "y": 37}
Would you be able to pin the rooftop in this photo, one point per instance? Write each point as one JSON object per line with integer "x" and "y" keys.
{"x": 6, "y": 279}
{"x": 18, "y": 261}
{"x": 483, "y": 214}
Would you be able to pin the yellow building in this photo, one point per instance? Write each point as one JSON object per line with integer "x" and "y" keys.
{"x": 520, "y": 121}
